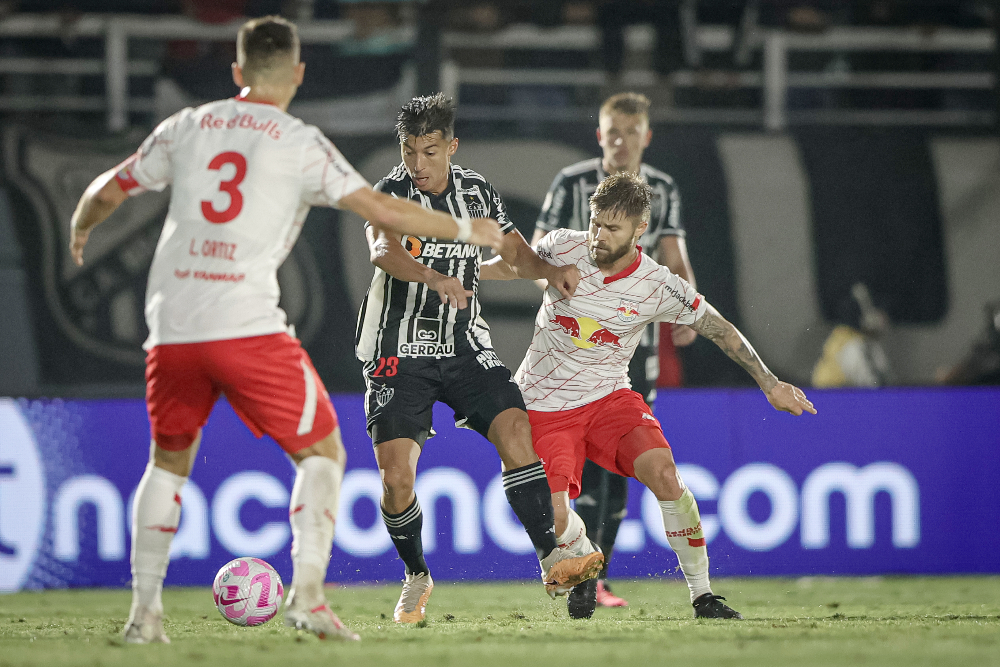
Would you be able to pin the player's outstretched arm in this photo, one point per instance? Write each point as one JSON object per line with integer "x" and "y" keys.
{"x": 496, "y": 269}
{"x": 401, "y": 216}
{"x": 781, "y": 395}
{"x": 524, "y": 262}
{"x": 99, "y": 200}
{"x": 535, "y": 238}
{"x": 387, "y": 253}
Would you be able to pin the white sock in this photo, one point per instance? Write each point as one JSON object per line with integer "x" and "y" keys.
{"x": 682, "y": 524}
{"x": 574, "y": 539}
{"x": 313, "y": 514}
{"x": 155, "y": 516}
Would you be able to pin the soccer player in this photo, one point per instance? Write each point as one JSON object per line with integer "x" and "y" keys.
{"x": 574, "y": 376}
{"x": 422, "y": 339}
{"x": 623, "y": 135}
{"x": 243, "y": 174}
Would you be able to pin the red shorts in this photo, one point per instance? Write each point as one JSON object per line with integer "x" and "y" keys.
{"x": 565, "y": 439}
{"x": 269, "y": 380}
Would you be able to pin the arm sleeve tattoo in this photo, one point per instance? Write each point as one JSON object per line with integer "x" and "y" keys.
{"x": 717, "y": 329}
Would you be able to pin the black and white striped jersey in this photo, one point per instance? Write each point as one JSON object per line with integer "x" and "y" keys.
{"x": 567, "y": 205}
{"x": 403, "y": 319}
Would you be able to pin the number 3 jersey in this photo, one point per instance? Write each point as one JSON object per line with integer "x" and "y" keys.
{"x": 408, "y": 320}
{"x": 243, "y": 178}
{"x": 581, "y": 347}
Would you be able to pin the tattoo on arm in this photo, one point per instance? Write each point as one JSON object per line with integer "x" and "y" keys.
{"x": 717, "y": 329}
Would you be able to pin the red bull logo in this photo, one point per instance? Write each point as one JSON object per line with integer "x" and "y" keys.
{"x": 585, "y": 332}
{"x": 627, "y": 310}
{"x": 569, "y": 325}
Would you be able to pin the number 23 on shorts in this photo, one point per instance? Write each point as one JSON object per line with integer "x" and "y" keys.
{"x": 388, "y": 366}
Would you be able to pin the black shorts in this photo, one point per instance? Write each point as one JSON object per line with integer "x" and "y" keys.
{"x": 402, "y": 392}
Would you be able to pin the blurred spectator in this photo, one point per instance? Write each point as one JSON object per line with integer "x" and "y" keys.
{"x": 613, "y": 16}
{"x": 852, "y": 354}
{"x": 982, "y": 364}
{"x": 372, "y": 60}
{"x": 201, "y": 69}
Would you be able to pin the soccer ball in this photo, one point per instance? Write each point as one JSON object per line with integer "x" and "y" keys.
{"x": 247, "y": 591}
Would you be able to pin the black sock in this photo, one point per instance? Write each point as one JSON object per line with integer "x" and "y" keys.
{"x": 593, "y": 498}
{"x": 404, "y": 529}
{"x": 529, "y": 496}
{"x": 615, "y": 509}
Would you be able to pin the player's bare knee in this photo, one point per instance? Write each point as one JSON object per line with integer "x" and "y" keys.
{"x": 658, "y": 472}
{"x": 331, "y": 447}
{"x": 665, "y": 482}
{"x": 175, "y": 453}
{"x": 176, "y": 462}
{"x": 511, "y": 434}
{"x": 397, "y": 488}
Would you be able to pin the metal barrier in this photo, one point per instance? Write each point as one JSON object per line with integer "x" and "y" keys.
{"x": 116, "y": 31}
{"x": 774, "y": 80}
{"x": 778, "y": 79}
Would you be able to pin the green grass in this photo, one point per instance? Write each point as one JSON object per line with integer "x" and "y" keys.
{"x": 813, "y": 621}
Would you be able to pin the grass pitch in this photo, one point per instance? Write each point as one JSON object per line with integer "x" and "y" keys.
{"x": 812, "y": 621}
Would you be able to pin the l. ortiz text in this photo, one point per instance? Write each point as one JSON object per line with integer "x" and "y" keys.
{"x": 216, "y": 249}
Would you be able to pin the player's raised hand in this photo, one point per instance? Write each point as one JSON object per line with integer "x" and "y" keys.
{"x": 486, "y": 232}
{"x": 78, "y": 240}
{"x": 450, "y": 290}
{"x": 789, "y": 398}
{"x": 565, "y": 279}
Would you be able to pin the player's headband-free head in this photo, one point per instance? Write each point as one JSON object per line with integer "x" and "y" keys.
{"x": 265, "y": 43}
{"x": 624, "y": 192}
{"x": 425, "y": 115}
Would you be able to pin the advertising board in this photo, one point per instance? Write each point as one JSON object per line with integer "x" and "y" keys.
{"x": 880, "y": 482}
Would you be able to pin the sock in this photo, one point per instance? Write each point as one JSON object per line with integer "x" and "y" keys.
{"x": 614, "y": 511}
{"x": 404, "y": 529}
{"x": 155, "y": 517}
{"x": 682, "y": 524}
{"x": 313, "y": 515}
{"x": 529, "y": 496}
{"x": 590, "y": 504}
{"x": 574, "y": 539}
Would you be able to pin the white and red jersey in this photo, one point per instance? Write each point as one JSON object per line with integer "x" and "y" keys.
{"x": 243, "y": 178}
{"x": 581, "y": 348}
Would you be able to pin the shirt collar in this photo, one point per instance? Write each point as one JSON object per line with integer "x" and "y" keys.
{"x": 627, "y": 271}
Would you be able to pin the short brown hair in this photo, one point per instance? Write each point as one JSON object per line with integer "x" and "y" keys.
{"x": 632, "y": 104}
{"x": 265, "y": 44}
{"x": 624, "y": 192}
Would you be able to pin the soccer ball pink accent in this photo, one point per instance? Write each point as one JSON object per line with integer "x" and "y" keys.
{"x": 247, "y": 591}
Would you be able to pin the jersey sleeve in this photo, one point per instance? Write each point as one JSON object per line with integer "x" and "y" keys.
{"x": 669, "y": 222}
{"x": 151, "y": 167}
{"x": 328, "y": 176}
{"x": 553, "y": 248}
{"x": 498, "y": 211}
{"x": 557, "y": 207}
{"x": 679, "y": 302}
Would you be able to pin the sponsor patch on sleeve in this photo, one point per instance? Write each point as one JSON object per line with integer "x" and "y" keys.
{"x": 126, "y": 179}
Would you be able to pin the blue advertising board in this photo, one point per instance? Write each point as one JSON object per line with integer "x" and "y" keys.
{"x": 890, "y": 481}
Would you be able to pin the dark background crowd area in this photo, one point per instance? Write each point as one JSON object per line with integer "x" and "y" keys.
{"x": 374, "y": 58}
{"x": 485, "y": 15}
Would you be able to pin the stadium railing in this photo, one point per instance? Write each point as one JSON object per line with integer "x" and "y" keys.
{"x": 116, "y": 66}
{"x": 774, "y": 79}
{"x": 772, "y": 82}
